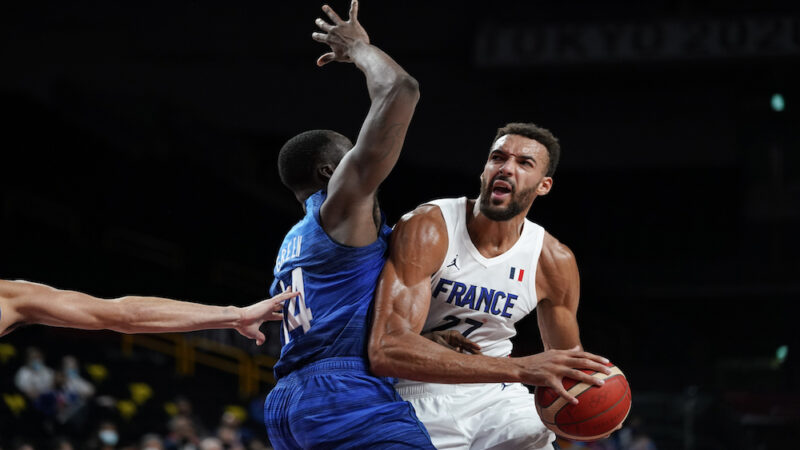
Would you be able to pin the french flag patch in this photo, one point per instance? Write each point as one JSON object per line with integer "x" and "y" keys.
{"x": 517, "y": 274}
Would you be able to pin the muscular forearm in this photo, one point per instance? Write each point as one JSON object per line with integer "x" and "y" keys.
{"x": 561, "y": 338}
{"x": 394, "y": 96}
{"x": 384, "y": 75}
{"x": 153, "y": 315}
{"x": 414, "y": 357}
{"x": 131, "y": 314}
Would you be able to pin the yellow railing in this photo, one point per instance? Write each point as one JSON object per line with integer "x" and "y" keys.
{"x": 252, "y": 370}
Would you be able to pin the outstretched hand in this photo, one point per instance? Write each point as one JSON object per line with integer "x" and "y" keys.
{"x": 254, "y": 315}
{"x": 453, "y": 340}
{"x": 342, "y": 36}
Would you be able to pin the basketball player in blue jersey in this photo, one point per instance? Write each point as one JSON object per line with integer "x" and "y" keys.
{"x": 26, "y": 303}
{"x": 325, "y": 396}
{"x": 478, "y": 266}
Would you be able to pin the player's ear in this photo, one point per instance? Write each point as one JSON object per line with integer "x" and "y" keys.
{"x": 325, "y": 171}
{"x": 544, "y": 186}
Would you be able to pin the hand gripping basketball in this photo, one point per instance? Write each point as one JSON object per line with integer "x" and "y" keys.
{"x": 601, "y": 409}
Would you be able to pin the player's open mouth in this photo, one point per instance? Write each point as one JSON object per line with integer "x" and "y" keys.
{"x": 500, "y": 189}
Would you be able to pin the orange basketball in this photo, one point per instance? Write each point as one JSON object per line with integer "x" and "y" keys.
{"x": 600, "y": 409}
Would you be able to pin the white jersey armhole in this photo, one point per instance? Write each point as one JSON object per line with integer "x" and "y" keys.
{"x": 452, "y": 210}
{"x": 538, "y": 243}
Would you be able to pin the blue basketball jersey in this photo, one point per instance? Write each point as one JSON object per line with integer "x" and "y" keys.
{"x": 336, "y": 284}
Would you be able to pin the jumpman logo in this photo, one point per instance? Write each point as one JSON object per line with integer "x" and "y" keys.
{"x": 505, "y": 385}
{"x": 454, "y": 263}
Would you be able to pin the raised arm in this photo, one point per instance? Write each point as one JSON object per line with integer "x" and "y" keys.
{"x": 347, "y": 213}
{"x": 558, "y": 284}
{"x": 418, "y": 247}
{"x": 23, "y": 302}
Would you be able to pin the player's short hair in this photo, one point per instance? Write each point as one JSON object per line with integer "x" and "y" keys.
{"x": 301, "y": 155}
{"x": 540, "y": 135}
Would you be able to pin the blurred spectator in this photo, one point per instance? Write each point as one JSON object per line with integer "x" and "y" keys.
{"x": 109, "y": 436}
{"x": 211, "y": 443}
{"x": 151, "y": 442}
{"x": 62, "y": 443}
{"x": 182, "y": 434}
{"x": 633, "y": 437}
{"x": 230, "y": 419}
{"x": 231, "y": 433}
{"x": 106, "y": 438}
{"x": 34, "y": 379}
{"x": 71, "y": 395}
{"x": 229, "y": 436}
{"x": 257, "y": 444}
{"x": 185, "y": 409}
{"x": 74, "y": 383}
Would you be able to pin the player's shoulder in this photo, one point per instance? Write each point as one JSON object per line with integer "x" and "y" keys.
{"x": 424, "y": 215}
{"x": 557, "y": 271}
{"x": 424, "y": 225}
{"x": 555, "y": 253}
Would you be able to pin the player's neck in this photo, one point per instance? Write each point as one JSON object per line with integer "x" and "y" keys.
{"x": 492, "y": 238}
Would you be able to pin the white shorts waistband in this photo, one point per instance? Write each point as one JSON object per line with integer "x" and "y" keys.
{"x": 409, "y": 390}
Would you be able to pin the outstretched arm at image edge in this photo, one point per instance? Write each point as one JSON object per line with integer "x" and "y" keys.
{"x": 41, "y": 304}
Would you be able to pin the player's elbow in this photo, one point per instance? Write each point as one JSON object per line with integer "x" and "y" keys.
{"x": 409, "y": 87}
{"x": 402, "y": 87}
{"x": 379, "y": 361}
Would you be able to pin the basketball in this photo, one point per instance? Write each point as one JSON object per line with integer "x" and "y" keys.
{"x": 600, "y": 409}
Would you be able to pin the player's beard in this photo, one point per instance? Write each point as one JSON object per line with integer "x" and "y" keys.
{"x": 519, "y": 202}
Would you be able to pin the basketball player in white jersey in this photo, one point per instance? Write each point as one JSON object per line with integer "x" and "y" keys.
{"x": 479, "y": 266}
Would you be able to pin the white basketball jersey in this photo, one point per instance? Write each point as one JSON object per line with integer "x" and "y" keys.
{"x": 483, "y": 297}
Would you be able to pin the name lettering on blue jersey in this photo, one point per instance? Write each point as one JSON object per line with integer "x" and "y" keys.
{"x": 289, "y": 251}
{"x": 468, "y": 296}
{"x": 295, "y": 313}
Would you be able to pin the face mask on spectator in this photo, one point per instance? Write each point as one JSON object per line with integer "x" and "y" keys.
{"x": 109, "y": 437}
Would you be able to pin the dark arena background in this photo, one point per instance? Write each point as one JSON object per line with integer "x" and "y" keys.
{"x": 138, "y": 156}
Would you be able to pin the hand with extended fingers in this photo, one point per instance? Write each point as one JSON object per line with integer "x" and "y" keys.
{"x": 251, "y": 317}
{"x": 454, "y": 341}
{"x": 342, "y": 36}
{"x": 549, "y": 368}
